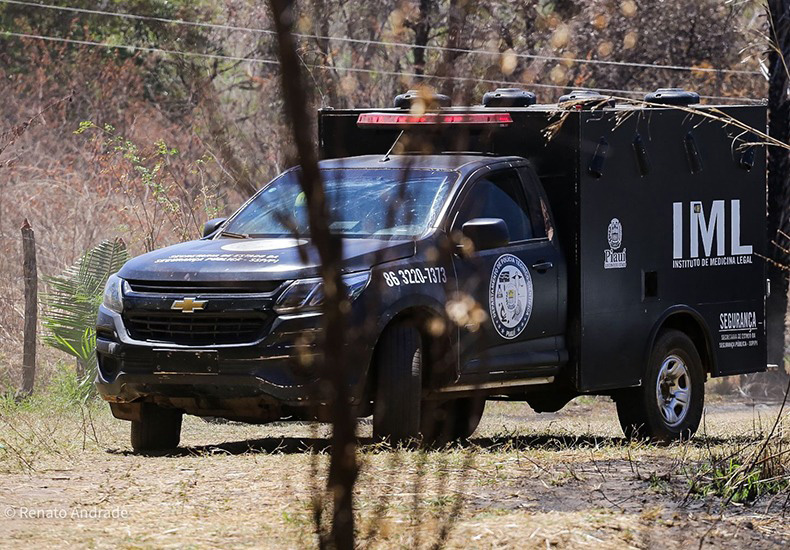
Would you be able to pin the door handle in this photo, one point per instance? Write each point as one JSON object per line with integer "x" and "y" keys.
{"x": 542, "y": 267}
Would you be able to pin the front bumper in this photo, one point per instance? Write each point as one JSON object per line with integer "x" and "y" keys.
{"x": 278, "y": 368}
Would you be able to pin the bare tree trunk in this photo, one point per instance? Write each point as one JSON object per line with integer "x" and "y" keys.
{"x": 456, "y": 18}
{"x": 217, "y": 130}
{"x": 31, "y": 308}
{"x": 202, "y": 86}
{"x": 778, "y": 180}
{"x": 422, "y": 28}
{"x": 343, "y": 466}
{"x": 321, "y": 26}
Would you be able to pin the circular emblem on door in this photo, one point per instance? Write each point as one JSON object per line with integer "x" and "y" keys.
{"x": 510, "y": 296}
{"x": 615, "y": 234}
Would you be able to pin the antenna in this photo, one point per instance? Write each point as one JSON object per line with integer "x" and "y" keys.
{"x": 386, "y": 156}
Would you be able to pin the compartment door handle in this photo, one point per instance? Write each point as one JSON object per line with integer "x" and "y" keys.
{"x": 542, "y": 267}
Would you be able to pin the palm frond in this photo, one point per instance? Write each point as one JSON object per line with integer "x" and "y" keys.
{"x": 72, "y": 303}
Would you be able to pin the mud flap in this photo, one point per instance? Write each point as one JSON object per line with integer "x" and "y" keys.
{"x": 127, "y": 411}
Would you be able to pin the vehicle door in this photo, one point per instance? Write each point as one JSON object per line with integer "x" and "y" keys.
{"x": 507, "y": 306}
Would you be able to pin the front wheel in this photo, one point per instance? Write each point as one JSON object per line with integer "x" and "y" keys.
{"x": 669, "y": 404}
{"x": 158, "y": 429}
{"x": 397, "y": 407}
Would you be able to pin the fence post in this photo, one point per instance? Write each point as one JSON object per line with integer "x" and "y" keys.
{"x": 30, "y": 276}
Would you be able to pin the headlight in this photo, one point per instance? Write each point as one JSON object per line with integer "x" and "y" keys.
{"x": 113, "y": 293}
{"x": 308, "y": 294}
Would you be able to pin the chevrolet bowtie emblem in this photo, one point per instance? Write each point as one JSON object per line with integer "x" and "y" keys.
{"x": 188, "y": 305}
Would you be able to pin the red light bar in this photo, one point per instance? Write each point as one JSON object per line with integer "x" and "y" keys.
{"x": 397, "y": 119}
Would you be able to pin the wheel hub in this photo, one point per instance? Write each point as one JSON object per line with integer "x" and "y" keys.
{"x": 673, "y": 390}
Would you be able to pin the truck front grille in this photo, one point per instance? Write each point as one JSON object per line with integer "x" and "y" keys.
{"x": 199, "y": 329}
{"x": 200, "y": 288}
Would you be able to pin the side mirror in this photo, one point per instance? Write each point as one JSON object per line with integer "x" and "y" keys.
{"x": 486, "y": 233}
{"x": 212, "y": 225}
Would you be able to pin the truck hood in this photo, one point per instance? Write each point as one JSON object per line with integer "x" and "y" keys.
{"x": 256, "y": 259}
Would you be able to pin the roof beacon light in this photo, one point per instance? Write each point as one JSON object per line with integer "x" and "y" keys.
{"x": 397, "y": 119}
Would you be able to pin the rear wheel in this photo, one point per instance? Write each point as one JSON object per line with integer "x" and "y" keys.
{"x": 158, "y": 429}
{"x": 669, "y": 404}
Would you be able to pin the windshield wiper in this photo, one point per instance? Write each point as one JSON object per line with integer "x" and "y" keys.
{"x": 233, "y": 235}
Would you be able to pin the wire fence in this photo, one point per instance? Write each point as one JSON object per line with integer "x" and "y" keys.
{"x": 265, "y": 61}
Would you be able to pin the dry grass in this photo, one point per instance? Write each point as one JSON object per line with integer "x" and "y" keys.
{"x": 559, "y": 480}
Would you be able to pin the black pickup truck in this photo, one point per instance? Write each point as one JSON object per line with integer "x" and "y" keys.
{"x": 616, "y": 254}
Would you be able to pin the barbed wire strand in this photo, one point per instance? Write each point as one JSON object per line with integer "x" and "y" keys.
{"x": 223, "y": 26}
{"x": 265, "y": 61}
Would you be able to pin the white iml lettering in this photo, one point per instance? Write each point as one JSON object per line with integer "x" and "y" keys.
{"x": 677, "y": 230}
{"x": 707, "y": 229}
{"x": 735, "y": 232}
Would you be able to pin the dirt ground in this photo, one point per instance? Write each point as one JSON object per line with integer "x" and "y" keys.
{"x": 564, "y": 480}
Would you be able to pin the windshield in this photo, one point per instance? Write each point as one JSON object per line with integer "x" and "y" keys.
{"x": 394, "y": 203}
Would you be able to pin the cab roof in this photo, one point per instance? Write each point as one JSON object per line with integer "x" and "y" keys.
{"x": 457, "y": 162}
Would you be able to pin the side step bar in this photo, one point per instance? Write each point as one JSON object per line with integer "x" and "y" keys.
{"x": 497, "y": 385}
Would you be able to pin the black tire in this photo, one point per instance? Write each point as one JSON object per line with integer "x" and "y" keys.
{"x": 453, "y": 420}
{"x": 398, "y": 400}
{"x": 469, "y": 412}
{"x": 655, "y": 410}
{"x": 158, "y": 429}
